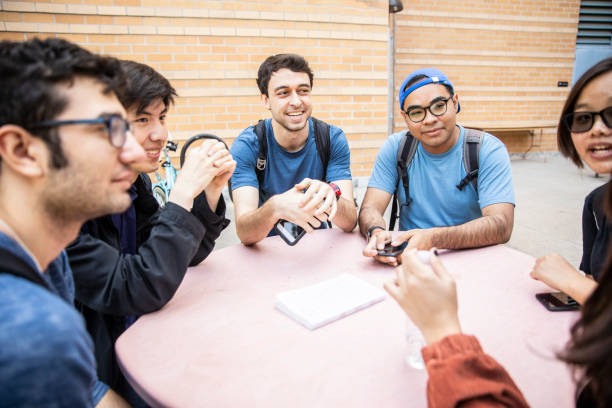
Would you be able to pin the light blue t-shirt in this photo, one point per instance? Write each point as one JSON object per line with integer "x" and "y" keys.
{"x": 285, "y": 169}
{"x": 433, "y": 179}
{"x": 46, "y": 354}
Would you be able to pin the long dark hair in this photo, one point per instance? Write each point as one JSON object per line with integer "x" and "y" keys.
{"x": 564, "y": 137}
{"x": 589, "y": 350}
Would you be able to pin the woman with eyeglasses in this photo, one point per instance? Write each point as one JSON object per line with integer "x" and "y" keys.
{"x": 460, "y": 373}
{"x": 585, "y": 136}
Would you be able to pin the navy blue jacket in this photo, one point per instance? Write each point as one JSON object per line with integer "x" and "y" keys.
{"x": 111, "y": 286}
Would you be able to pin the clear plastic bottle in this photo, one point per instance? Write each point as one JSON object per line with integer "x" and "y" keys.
{"x": 414, "y": 338}
{"x": 414, "y": 343}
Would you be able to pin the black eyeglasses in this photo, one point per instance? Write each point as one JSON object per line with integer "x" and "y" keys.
{"x": 579, "y": 122}
{"x": 418, "y": 113}
{"x": 116, "y": 126}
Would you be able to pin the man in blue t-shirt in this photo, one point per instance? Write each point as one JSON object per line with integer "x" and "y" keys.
{"x": 66, "y": 152}
{"x": 440, "y": 214}
{"x": 294, "y": 188}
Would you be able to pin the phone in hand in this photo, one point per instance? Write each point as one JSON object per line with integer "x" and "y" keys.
{"x": 557, "y": 301}
{"x": 391, "y": 250}
{"x": 289, "y": 232}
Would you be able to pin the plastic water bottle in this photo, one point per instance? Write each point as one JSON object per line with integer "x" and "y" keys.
{"x": 414, "y": 338}
{"x": 414, "y": 343}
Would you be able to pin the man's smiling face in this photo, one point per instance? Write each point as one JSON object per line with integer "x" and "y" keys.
{"x": 288, "y": 99}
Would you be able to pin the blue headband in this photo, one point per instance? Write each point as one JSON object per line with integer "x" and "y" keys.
{"x": 433, "y": 75}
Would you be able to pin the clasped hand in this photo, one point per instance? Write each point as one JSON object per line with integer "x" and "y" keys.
{"x": 207, "y": 163}
{"x": 307, "y": 204}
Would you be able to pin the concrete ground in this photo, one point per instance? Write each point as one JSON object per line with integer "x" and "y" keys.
{"x": 550, "y": 192}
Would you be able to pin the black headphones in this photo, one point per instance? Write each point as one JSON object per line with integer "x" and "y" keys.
{"x": 196, "y": 138}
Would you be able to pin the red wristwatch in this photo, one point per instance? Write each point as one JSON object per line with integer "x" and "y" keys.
{"x": 336, "y": 189}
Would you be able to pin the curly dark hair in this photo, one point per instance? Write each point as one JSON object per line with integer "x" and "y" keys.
{"x": 30, "y": 72}
{"x": 144, "y": 85}
{"x": 292, "y": 62}
{"x": 564, "y": 136}
{"x": 589, "y": 348}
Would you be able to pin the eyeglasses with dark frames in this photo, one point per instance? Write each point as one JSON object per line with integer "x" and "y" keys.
{"x": 418, "y": 113}
{"x": 116, "y": 127}
{"x": 579, "y": 122}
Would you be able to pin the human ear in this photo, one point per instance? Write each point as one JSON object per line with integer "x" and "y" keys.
{"x": 405, "y": 116}
{"x": 456, "y": 101}
{"x": 265, "y": 101}
{"x": 22, "y": 152}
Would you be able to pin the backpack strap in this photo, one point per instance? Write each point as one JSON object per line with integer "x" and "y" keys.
{"x": 14, "y": 265}
{"x": 405, "y": 153}
{"x": 322, "y": 138}
{"x": 260, "y": 166}
{"x": 471, "y": 149}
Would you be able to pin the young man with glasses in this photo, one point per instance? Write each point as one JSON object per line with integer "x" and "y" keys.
{"x": 446, "y": 209}
{"x": 66, "y": 155}
{"x": 131, "y": 263}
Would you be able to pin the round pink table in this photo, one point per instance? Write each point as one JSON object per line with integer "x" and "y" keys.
{"x": 220, "y": 342}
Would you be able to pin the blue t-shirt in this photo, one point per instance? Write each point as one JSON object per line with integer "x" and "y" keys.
{"x": 285, "y": 169}
{"x": 46, "y": 354}
{"x": 433, "y": 179}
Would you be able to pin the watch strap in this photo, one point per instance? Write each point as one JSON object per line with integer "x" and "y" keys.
{"x": 336, "y": 189}
{"x": 371, "y": 230}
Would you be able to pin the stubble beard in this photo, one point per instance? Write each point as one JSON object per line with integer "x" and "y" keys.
{"x": 74, "y": 199}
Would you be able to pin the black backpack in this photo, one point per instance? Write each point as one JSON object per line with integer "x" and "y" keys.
{"x": 321, "y": 133}
{"x": 406, "y": 151}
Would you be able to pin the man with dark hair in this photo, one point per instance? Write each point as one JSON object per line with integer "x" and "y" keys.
{"x": 454, "y": 185}
{"x": 303, "y": 174}
{"x": 131, "y": 263}
{"x": 66, "y": 153}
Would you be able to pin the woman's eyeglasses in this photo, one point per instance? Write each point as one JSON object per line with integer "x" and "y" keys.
{"x": 579, "y": 122}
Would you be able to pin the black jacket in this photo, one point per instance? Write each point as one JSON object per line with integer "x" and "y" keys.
{"x": 110, "y": 285}
{"x": 596, "y": 232}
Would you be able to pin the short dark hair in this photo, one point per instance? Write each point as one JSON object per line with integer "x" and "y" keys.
{"x": 144, "y": 85}
{"x": 418, "y": 78}
{"x": 30, "y": 72}
{"x": 272, "y": 64}
{"x": 564, "y": 136}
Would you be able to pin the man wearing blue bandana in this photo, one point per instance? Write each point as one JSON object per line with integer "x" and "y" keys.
{"x": 458, "y": 180}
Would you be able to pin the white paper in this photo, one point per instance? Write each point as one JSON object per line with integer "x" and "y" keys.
{"x": 327, "y": 301}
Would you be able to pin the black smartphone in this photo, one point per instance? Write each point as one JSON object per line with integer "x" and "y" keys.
{"x": 557, "y": 301}
{"x": 391, "y": 250}
{"x": 289, "y": 232}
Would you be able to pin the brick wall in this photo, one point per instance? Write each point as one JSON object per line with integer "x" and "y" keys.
{"x": 504, "y": 57}
{"x": 211, "y": 50}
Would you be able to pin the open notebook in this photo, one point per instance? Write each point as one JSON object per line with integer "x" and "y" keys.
{"x": 327, "y": 301}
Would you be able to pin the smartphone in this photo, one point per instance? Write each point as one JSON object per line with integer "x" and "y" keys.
{"x": 289, "y": 232}
{"x": 557, "y": 301}
{"x": 391, "y": 250}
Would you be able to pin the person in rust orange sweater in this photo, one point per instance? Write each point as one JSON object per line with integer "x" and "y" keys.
{"x": 461, "y": 374}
